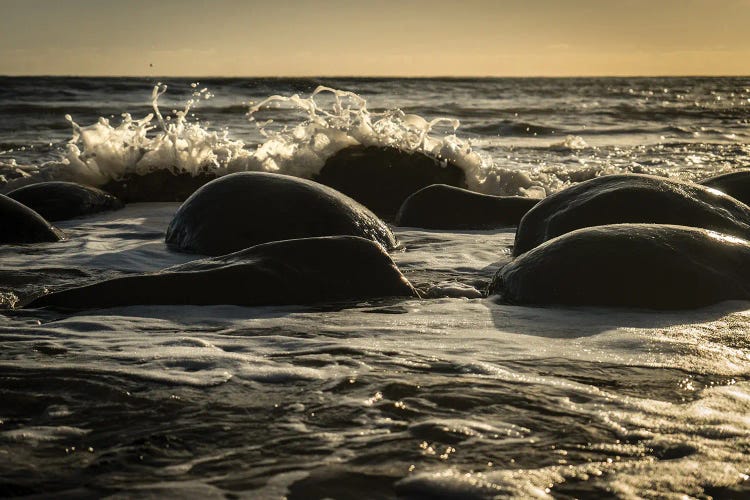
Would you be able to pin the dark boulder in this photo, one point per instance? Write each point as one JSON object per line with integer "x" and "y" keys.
{"x": 303, "y": 271}
{"x": 158, "y": 185}
{"x": 57, "y": 200}
{"x": 736, "y": 184}
{"x": 631, "y": 198}
{"x": 381, "y": 178}
{"x": 19, "y": 224}
{"x": 630, "y": 265}
{"x": 248, "y": 208}
{"x": 446, "y": 207}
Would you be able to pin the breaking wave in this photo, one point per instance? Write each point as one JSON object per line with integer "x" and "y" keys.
{"x": 298, "y": 135}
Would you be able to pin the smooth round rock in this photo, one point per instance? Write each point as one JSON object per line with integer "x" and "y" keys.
{"x": 303, "y": 271}
{"x": 381, "y": 178}
{"x": 20, "y": 225}
{"x": 630, "y": 265}
{"x": 244, "y": 209}
{"x": 736, "y": 184}
{"x": 57, "y": 200}
{"x": 440, "y": 206}
{"x": 159, "y": 185}
{"x": 615, "y": 199}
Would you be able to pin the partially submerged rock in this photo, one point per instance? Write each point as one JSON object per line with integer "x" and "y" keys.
{"x": 248, "y": 208}
{"x": 381, "y": 178}
{"x": 158, "y": 185}
{"x": 631, "y": 198}
{"x": 630, "y": 265}
{"x": 301, "y": 271}
{"x": 440, "y": 206}
{"x": 57, "y": 200}
{"x": 20, "y": 225}
{"x": 736, "y": 184}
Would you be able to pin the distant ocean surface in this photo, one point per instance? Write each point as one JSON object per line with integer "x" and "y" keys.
{"x": 448, "y": 398}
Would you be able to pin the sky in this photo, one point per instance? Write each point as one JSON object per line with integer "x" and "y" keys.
{"x": 375, "y": 37}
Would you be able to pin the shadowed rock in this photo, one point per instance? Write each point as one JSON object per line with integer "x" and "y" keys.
{"x": 632, "y": 198}
{"x": 303, "y": 271}
{"x": 248, "y": 208}
{"x": 58, "y": 200}
{"x": 382, "y": 178}
{"x": 159, "y": 185}
{"x": 446, "y": 207}
{"x": 19, "y": 224}
{"x": 735, "y": 184}
{"x": 630, "y": 265}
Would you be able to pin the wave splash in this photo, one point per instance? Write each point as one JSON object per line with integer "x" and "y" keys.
{"x": 102, "y": 152}
{"x": 331, "y": 120}
{"x": 325, "y": 122}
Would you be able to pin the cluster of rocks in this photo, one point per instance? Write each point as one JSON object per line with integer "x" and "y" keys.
{"x": 631, "y": 240}
{"x": 619, "y": 240}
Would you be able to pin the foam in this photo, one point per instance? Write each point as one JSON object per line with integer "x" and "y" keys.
{"x": 345, "y": 121}
{"x": 36, "y": 434}
{"x": 709, "y": 428}
{"x": 571, "y": 142}
{"x": 328, "y": 121}
{"x": 101, "y": 152}
{"x": 300, "y": 133}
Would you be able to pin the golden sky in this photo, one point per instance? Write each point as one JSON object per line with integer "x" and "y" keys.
{"x": 375, "y": 37}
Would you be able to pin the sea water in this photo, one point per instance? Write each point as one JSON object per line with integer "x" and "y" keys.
{"x": 450, "y": 397}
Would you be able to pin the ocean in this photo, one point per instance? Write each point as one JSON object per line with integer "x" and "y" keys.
{"x": 414, "y": 398}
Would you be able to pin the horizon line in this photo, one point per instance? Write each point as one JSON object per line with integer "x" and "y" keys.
{"x": 366, "y": 77}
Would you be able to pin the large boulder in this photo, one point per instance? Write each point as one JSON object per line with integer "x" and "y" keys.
{"x": 632, "y": 198}
{"x": 248, "y": 208}
{"x": 736, "y": 184}
{"x": 302, "y": 271}
{"x": 158, "y": 185}
{"x": 440, "y": 206}
{"x": 19, "y": 224}
{"x": 631, "y": 265}
{"x": 57, "y": 200}
{"x": 381, "y": 178}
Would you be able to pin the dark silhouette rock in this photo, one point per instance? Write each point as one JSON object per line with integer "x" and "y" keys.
{"x": 19, "y": 224}
{"x": 248, "y": 208}
{"x": 736, "y": 184}
{"x": 302, "y": 271}
{"x": 58, "y": 200}
{"x": 632, "y": 198}
{"x": 381, "y": 178}
{"x": 159, "y": 185}
{"x": 446, "y": 207}
{"x": 631, "y": 265}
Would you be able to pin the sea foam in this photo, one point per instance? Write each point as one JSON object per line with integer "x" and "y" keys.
{"x": 102, "y": 152}
{"x": 329, "y": 121}
{"x": 298, "y": 135}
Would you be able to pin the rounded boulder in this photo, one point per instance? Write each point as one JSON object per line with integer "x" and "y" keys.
{"x": 441, "y": 206}
{"x": 381, "y": 178}
{"x": 161, "y": 185}
{"x": 631, "y": 198}
{"x": 57, "y": 200}
{"x": 630, "y": 265}
{"x": 21, "y": 225}
{"x": 240, "y": 210}
{"x": 736, "y": 184}
{"x": 302, "y": 271}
